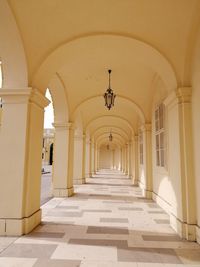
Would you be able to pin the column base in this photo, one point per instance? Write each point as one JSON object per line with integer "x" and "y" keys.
{"x": 184, "y": 230}
{"x": 63, "y": 192}
{"x": 135, "y": 183}
{"x": 145, "y": 193}
{"x": 198, "y": 234}
{"x": 79, "y": 181}
{"x": 21, "y": 226}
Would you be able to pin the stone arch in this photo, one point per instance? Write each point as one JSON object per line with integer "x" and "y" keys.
{"x": 12, "y": 51}
{"x": 57, "y": 58}
{"x": 60, "y": 101}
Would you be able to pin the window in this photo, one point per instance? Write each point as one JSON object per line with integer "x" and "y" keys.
{"x": 160, "y": 135}
{"x": 141, "y": 147}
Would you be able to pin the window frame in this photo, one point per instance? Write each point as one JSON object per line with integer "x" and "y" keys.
{"x": 160, "y": 136}
{"x": 141, "y": 147}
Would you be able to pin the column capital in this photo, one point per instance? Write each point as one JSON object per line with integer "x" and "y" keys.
{"x": 79, "y": 137}
{"x": 23, "y": 96}
{"x": 63, "y": 125}
{"x": 146, "y": 127}
{"x": 184, "y": 94}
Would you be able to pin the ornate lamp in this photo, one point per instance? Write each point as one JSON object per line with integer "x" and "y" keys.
{"x": 109, "y": 96}
{"x": 110, "y": 137}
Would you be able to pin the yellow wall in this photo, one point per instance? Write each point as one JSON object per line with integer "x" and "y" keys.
{"x": 196, "y": 124}
{"x": 106, "y": 158}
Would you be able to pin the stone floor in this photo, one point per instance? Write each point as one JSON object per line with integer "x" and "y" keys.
{"x": 107, "y": 223}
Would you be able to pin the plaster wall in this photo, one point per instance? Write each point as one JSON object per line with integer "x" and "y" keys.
{"x": 11, "y": 50}
{"x": 196, "y": 126}
{"x": 106, "y": 159}
{"x": 167, "y": 187}
{"x": 117, "y": 163}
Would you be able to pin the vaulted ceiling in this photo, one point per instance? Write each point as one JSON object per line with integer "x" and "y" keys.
{"x": 77, "y": 41}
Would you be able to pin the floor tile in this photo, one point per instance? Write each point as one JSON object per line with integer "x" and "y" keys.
{"x": 107, "y": 230}
{"x": 81, "y": 252}
{"x": 161, "y": 221}
{"x": 106, "y": 223}
{"x": 100, "y": 242}
{"x": 56, "y": 263}
{"x": 29, "y": 251}
{"x": 16, "y": 262}
{"x": 114, "y": 220}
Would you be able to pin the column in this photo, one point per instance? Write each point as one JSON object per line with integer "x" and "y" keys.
{"x": 21, "y": 138}
{"x": 186, "y": 167}
{"x": 98, "y": 157}
{"x": 84, "y": 159}
{"x": 63, "y": 160}
{"x": 123, "y": 159}
{"x": 95, "y": 158}
{"x": 147, "y": 146}
{"x": 121, "y": 168}
{"x": 135, "y": 169}
{"x": 78, "y": 159}
{"x": 126, "y": 159}
{"x": 87, "y": 158}
{"x": 130, "y": 159}
{"x": 91, "y": 158}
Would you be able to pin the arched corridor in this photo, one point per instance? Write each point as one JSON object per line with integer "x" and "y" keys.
{"x": 124, "y": 82}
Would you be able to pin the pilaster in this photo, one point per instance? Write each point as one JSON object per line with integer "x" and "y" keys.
{"x": 147, "y": 146}
{"x": 187, "y": 169}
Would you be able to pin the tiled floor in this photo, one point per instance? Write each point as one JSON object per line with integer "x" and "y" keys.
{"x": 107, "y": 223}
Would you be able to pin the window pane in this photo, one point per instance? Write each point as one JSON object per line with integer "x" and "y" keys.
{"x": 157, "y": 158}
{"x": 162, "y": 140}
{"x": 157, "y": 142}
{"x": 157, "y": 125}
{"x": 162, "y": 158}
{"x": 156, "y": 114}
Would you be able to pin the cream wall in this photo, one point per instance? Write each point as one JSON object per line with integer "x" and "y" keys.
{"x": 167, "y": 180}
{"x": 106, "y": 158}
{"x": 196, "y": 124}
{"x": 117, "y": 158}
{"x": 11, "y": 50}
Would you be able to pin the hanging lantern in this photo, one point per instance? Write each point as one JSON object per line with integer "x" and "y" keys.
{"x": 110, "y": 137}
{"x": 109, "y": 96}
